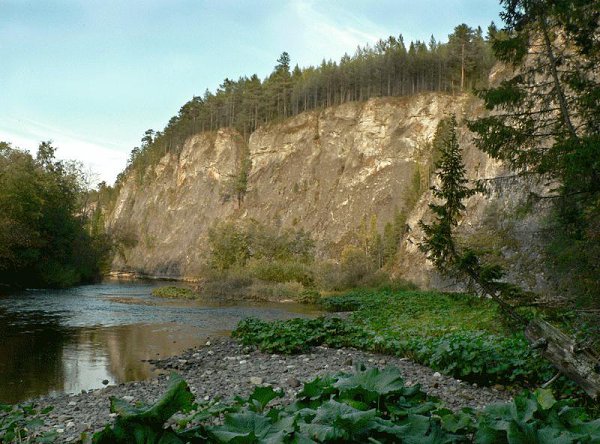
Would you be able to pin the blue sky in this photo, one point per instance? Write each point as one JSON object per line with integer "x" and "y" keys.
{"x": 93, "y": 75}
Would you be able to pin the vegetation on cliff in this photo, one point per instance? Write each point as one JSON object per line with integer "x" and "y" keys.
{"x": 47, "y": 238}
{"x": 389, "y": 68}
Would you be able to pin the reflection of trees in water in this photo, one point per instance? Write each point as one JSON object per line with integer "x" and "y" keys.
{"x": 31, "y": 348}
{"x": 124, "y": 347}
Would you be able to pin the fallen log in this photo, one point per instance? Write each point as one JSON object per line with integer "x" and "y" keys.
{"x": 579, "y": 364}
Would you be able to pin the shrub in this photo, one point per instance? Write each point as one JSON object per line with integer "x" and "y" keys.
{"x": 281, "y": 271}
{"x": 274, "y": 291}
{"x": 355, "y": 266}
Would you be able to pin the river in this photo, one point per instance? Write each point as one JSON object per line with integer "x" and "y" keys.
{"x": 54, "y": 341}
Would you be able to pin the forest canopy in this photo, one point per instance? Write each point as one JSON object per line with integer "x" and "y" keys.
{"x": 46, "y": 238}
{"x": 389, "y": 68}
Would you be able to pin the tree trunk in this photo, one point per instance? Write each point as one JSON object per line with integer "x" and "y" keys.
{"x": 580, "y": 365}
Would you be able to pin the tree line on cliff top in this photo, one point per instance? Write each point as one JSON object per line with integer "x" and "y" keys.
{"x": 389, "y": 68}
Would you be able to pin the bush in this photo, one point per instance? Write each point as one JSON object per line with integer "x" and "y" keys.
{"x": 234, "y": 244}
{"x": 274, "y": 291}
{"x": 355, "y": 266}
{"x": 281, "y": 271}
{"x": 309, "y": 297}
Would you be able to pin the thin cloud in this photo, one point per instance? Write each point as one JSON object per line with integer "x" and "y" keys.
{"x": 332, "y": 33}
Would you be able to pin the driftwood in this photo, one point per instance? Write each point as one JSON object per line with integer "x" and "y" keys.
{"x": 578, "y": 364}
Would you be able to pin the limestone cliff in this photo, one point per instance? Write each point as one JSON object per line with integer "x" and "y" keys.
{"x": 322, "y": 171}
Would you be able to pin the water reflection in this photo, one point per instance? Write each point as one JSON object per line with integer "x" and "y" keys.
{"x": 54, "y": 341}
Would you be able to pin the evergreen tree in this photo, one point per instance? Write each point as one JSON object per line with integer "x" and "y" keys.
{"x": 546, "y": 121}
{"x": 439, "y": 244}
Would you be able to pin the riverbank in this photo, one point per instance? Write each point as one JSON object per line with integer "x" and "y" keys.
{"x": 224, "y": 368}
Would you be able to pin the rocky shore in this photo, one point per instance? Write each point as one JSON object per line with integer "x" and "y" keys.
{"x": 223, "y": 368}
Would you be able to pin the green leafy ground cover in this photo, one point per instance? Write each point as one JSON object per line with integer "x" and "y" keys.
{"x": 20, "y": 423}
{"x": 174, "y": 292}
{"x": 459, "y": 335}
{"x": 368, "y": 405}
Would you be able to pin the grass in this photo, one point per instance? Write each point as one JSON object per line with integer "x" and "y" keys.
{"x": 174, "y": 292}
{"x": 418, "y": 313}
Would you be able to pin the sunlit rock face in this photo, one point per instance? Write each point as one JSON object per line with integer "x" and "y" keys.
{"x": 323, "y": 171}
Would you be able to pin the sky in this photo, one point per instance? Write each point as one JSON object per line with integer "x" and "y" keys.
{"x": 93, "y": 75}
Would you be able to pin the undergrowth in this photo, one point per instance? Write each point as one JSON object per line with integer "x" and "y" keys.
{"x": 368, "y": 405}
{"x": 456, "y": 334}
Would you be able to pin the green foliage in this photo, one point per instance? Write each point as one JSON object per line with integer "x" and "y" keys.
{"x": 250, "y": 260}
{"x": 536, "y": 418}
{"x": 367, "y": 405}
{"x": 389, "y": 68}
{"x": 281, "y": 271}
{"x": 438, "y": 243}
{"x": 546, "y": 122}
{"x": 174, "y": 292}
{"x": 297, "y": 335}
{"x": 46, "y": 239}
{"x": 401, "y": 312}
{"x": 442, "y": 331}
{"x": 234, "y": 244}
{"x": 482, "y": 358}
{"x": 237, "y": 185}
{"x": 144, "y": 423}
{"x": 20, "y": 424}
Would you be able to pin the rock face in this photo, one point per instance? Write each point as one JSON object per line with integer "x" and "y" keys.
{"x": 323, "y": 171}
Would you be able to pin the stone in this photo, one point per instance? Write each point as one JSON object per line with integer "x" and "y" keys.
{"x": 105, "y": 381}
{"x": 293, "y": 382}
{"x": 437, "y": 375}
{"x": 256, "y": 380}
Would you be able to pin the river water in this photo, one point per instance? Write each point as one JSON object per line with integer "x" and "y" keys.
{"x": 55, "y": 341}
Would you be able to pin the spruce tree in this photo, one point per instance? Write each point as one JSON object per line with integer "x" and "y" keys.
{"x": 546, "y": 123}
{"x": 439, "y": 244}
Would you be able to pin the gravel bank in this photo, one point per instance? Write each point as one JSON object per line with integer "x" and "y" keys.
{"x": 224, "y": 368}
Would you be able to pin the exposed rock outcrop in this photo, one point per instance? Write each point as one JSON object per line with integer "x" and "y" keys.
{"x": 323, "y": 171}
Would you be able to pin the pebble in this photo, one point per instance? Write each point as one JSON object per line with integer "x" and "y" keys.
{"x": 293, "y": 382}
{"x": 220, "y": 376}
